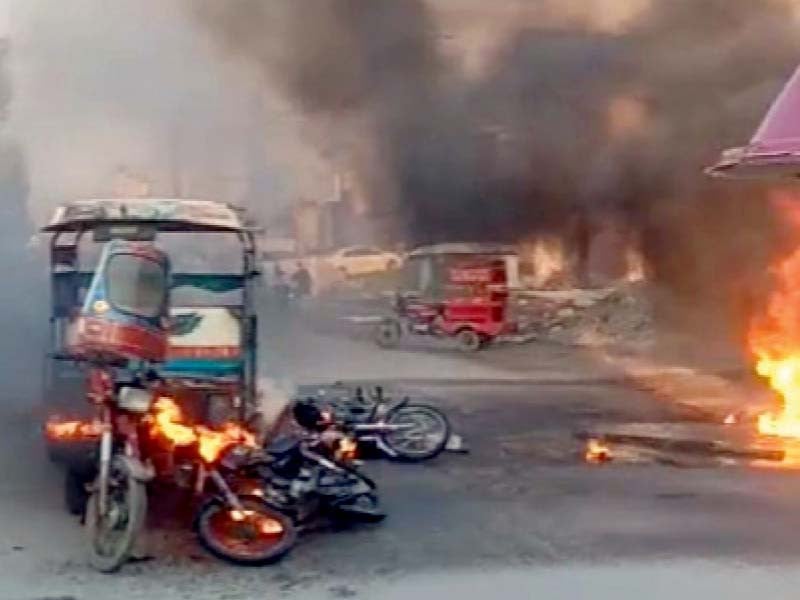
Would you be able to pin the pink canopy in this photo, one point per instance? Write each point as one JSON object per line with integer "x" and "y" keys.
{"x": 774, "y": 150}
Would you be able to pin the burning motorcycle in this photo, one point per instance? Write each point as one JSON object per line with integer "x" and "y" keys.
{"x": 237, "y": 527}
{"x": 121, "y": 330}
{"x": 402, "y": 430}
{"x": 312, "y": 476}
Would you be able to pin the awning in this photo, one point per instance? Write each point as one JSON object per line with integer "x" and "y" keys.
{"x": 774, "y": 150}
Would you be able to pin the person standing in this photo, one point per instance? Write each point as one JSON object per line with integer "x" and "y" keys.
{"x": 301, "y": 280}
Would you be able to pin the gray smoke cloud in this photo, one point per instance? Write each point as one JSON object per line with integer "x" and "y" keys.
{"x": 21, "y": 327}
{"x": 105, "y": 94}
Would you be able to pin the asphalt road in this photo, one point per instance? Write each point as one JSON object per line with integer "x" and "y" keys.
{"x": 521, "y": 514}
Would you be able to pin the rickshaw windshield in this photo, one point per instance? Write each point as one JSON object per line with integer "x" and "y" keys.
{"x": 136, "y": 285}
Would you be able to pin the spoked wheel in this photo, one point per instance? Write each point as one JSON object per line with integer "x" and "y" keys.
{"x": 422, "y": 432}
{"x": 256, "y": 535}
{"x": 388, "y": 333}
{"x": 112, "y": 534}
{"x": 469, "y": 340}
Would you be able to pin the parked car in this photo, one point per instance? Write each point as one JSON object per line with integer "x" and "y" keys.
{"x": 359, "y": 260}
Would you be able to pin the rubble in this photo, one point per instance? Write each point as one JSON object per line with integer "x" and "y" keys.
{"x": 588, "y": 317}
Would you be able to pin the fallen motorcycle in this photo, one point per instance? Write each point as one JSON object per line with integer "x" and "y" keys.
{"x": 402, "y": 430}
{"x": 311, "y": 476}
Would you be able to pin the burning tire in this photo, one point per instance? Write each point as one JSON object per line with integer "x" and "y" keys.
{"x": 257, "y": 535}
{"x": 388, "y": 333}
{"x": 469, "y": 340}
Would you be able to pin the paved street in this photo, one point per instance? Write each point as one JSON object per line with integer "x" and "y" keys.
{"x": 522, "y": 510}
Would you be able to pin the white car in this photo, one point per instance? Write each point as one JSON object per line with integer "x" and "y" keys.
{"x": 359, "y": 260}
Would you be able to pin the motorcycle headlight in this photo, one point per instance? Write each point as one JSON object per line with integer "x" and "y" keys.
{"x": 134, "y": 399}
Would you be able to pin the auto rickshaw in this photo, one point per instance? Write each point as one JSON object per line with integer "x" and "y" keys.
{"x": 211, "y": 354}
{"x": 456, "y": 291}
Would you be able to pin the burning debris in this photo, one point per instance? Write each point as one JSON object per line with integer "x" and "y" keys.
{"x": 597, "y": 452}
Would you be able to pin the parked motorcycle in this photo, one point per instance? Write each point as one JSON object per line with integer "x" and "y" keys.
{"x": 402, "y": 430}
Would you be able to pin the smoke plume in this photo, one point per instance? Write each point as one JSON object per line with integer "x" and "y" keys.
{"x": 573, "y": 117}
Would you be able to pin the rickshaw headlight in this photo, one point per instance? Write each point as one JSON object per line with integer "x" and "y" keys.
{"x": 100, "y": 306}
{"x": 134, "y": 399}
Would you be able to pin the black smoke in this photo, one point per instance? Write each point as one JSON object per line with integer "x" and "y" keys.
{"x": 527, "y": 145}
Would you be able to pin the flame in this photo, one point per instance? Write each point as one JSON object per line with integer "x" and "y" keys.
{"x": 635, "y": 269}
{"x": 347, "y": 450}
{"x": 548, "y": 258}
{"x": 168, "y": 422}
{"x": 56, "y": 429}
{"x": 774, "y": 340}
{"x": 597, "y": 452}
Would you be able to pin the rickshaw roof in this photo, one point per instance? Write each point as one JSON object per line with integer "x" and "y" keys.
{"x": 463, "y": 248}
{"x": 165, "y": 214}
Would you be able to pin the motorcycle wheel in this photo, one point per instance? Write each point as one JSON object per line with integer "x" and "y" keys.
{"x": 388, "y": 333}
{"x": 425, "y": 440}
{"x": 245, "y": 541}
{"x": 112, "y": 536}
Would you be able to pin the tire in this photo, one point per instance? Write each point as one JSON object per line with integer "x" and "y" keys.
{"x": 469, "y": 340}
{"x": 403, "y": 450}
{"x": 108, "y": 560}
{"x": 213, "y": 519}
{"x": 75, "y": 494}
{"x": 388, "y": 333}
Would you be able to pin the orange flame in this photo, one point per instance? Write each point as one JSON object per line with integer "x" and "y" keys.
{"x": 167, "y": 422}
{"x": 347, "y": 450}
{"x": 55, "y": 429}
{"x": 597, "y": 452}
{"x": 774, "y": 339}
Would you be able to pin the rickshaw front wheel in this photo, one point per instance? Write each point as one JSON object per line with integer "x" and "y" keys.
{"x": 469, "y": 340}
